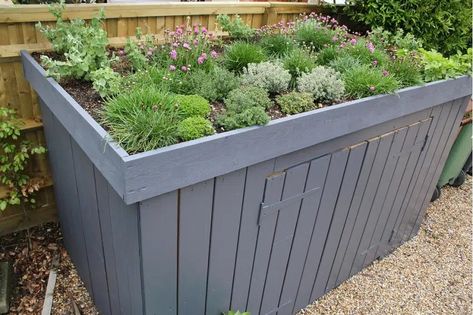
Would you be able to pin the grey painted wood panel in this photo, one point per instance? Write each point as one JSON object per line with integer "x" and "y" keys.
{"x": 324, "y": 216}
{"x": 305, "y": 224}
{"x": 372, "y": 146}
{"x": 254, "y": 191}
{"x": 195, "y": 217}
{"x": 283, "y": 236}
{"x": 273, "y": 192}
{"x": 159, "y": 232}
{"x": 84, "y": 171}
{"x": 228, "y": 201}
{"x": 103, "y": 201}
{"x": 348, "y": 185}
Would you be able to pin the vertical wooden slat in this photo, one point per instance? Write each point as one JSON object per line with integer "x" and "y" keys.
{"x": 195, "y": 217}
{"x": 159, "y": 221}
{"x": 160, "y": 25}
{"x": 347, "y": 189}
{"x": 322, "y": 224}
{"x": 283, "y": 236}
{"x": 273, "y": 191}
{"x": 316, "y": 178}
{"x": 228, "y": 200}
{"x": 254, "y": 190}
{"x": 122, "y": 27}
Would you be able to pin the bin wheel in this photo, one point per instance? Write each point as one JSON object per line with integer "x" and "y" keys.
{"x": 436, "y": 194}
{"x": 459, "y": 180}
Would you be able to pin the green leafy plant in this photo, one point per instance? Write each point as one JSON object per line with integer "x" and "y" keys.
{"x": 325, "y": 84}
{"x": 438, "y": 67}
{"x": 142, "y": 119}
{"x": 249, "y": 117}
{"x": 406, "y": 70}
{"x": 364, "y": 81}
{"x": 192, "y": 106}
{"x": 82, "y": 45}
{"x": 135, "y": 55}
{"x": 239, "y": 54}
{"x": 299, "y": 61}
{"x": 194, "y": 127}
{"x": 344, "y": 63}
{"x": 277, "y": 45}
{"x": 296, "y": 102}
{"x": 236, "y": 27}
{"x": 246, "y": 97}
{"x": 326, "y": 55}
{"x": 313, "y": 35}
{"x": 268, "y": 75}
{"x": 444, "y": 25}
{"x": 398, "y": 40}
{"x": 14, "y": 157}
{"x": 106, "y": 81}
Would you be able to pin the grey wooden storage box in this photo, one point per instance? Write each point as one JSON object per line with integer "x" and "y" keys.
{"x": 264, "y": 219}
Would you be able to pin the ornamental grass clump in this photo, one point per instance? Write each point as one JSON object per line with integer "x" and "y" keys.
{"x": 194, "y": 127}
{"x": 239, "y": 54}
{"x": 363, "y": 81}
{"x": 192, "y": 106}
{"x": 325, "y": 84}
{"x": 142, "y": 119}
{"x": 268, "y": 75}
{"x": 296, "y": 102}
{"x": 299, "y": 61}
{"x": 277, "y": 45}
{"x": 313, "y": 35}
{"x": 365, "y": 52}
{"x": 406, "y": 70}
{"x": 344, "y": 63}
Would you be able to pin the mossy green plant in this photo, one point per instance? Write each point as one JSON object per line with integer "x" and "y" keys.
{"x": 192, "y": 106}
{"x": 239, "y": 54}
{"x": 194, "y": 127}
{"x": 296, "y": 102}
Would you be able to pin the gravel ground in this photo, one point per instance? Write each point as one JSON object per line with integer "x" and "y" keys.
{"x": 430, "y": 274}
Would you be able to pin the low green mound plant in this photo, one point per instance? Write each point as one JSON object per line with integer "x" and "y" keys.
{"x": 194, "y": 127}
{"x": 249, "y": 117}
{"x": 364, "y": 81}
{"x": 314, "y": 36}
{"x": 246, "y": 97}
{"x": 296, "y": 102}
{"x": 239, "y": 54}
{"x": 192, "y": 106}
{"x": 326, "y": 55}
{"x": 299, "y": 61}
{"x": 106, "y": 81}
{"x": 268, "y": 75}
{"x": 344, "y": 63}
{"x": 277, "y": 45}
{"x": 142, "y": 119}
{"x": 325, "y": 84}
{"x": 236, "y": 27}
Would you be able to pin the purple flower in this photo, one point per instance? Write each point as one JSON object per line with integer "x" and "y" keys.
{"x": 179, "y": 31}
{"x": 172, "y": 68}
{"x": 214, "y": 54}
{"x": 121, "y": 52}
{"x": 196, "y": 30}
{"x": 204, "y": 30}
{"x": 370, "y": 47}
{"x": 186, "y": 46}
{"x": 353, "y": 41}
{"x": 385, "y": 73}
{"x": 200, "y": 60}
{"x": 375, "y": 63}
{"x": 195, "y": 42}
{"x": 372, "y": 88}
{"x": 184, "y": 69}
{"x": 173, "y": 54}
{"x": 175, "y": 44}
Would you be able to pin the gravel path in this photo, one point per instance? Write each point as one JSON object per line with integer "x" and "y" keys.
{"x": 431, "y": 274}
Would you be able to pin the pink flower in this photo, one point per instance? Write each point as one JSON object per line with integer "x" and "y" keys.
{"x": 196, "y": 30}
{"x": 172, "y": 68}
{"x": 214, "y": 54}
{"x": 149, "y": 53}
{"x": 375, "y": 63}
{"x": 195, "y": 42}
{"x": 204, "y": 30}
{"x": 200, "y": 60}
{"x": 186, "y": 46}
{"x": 179, "y": 31}
{"x": 173, "y": 54}
{"x": 175, "y": 44}
{"x": 385, "y": 73}
{"x": 184, "y": 69}
{"x": 353, "y": 41}
{"x": 370, "y": 47}
{"x": 204, "y": 55}
{"x": 334, "y": 39}
{"x": 121, "y": 52}
{"x": 372, "y": 88}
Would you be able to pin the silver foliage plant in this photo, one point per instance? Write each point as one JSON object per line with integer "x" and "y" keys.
{"x": 324, "y": 83}
{"x": 268, "y": 75}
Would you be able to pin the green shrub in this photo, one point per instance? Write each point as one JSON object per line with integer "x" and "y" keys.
{"x": 246, "y": 97}
{"x": 236, "y": 28}
{"x": 438, "y": 67}
{"x": 323, "y": 83}
{"x": 106, "y": 81}
{"x": 268, "y": 75}
{"x": 399, "y": 39}
{"x": 296, "y": 102}
{"x": 406, "y": 70}
{"x": 194, "y": 127}
{"x": 364, "y": 81}
{"x": 297, "y": 62}
{"x": 444, "y": 25}
{"x": 192, "y": 105}
{"x": 277, "y": 45}
{"x": 248, "y": 117}
{"x": 314, "y": 36}
{"x": 84, "y": 46}
{"x": 326, "y": 55}
{"x": 361, "y": 52}
{"x": 142, "y": 119}
{"x": 135, "y": 55}
{"x": 239, "y": 54}
{"x": 344, "y": 63}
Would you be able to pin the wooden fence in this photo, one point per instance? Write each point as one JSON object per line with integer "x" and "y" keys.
{"x": 18, "y": 32}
